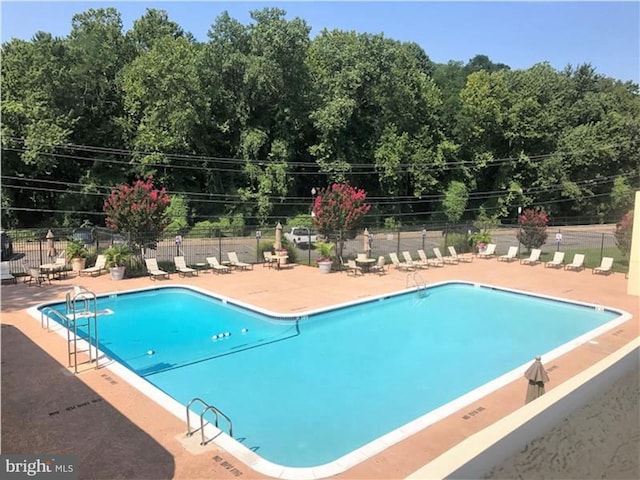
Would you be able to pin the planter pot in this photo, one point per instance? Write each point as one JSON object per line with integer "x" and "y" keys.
{"x": 117, "y": 273}
{"x": 282, "y": 259}
{"x": 325, "y": 267}
{"x": 77, "y": 264}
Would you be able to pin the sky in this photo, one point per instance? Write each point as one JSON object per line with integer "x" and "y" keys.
{"x": 519, "y": 34}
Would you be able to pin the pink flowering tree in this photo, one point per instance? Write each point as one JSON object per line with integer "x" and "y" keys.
{"x": 533, "y": 228}
{"x": 624, "y": 229}
{"x": 339, "y": 209}
{"x": 139, "y": 210}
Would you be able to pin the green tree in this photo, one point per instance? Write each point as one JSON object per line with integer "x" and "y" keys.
{"x": 455, "y": 201}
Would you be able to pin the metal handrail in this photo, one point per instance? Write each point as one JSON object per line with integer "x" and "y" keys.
{"x": 87, "y": 297}
{"x": 44, "y": 313}
{"x": 415, "y": 276}
{"x": 208, "y": 407}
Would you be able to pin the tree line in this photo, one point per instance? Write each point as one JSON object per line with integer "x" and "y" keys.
{"x": 248, "y": 122}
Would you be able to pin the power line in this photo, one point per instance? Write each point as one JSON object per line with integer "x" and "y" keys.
{"x": 263, "y": 162}
{"x": 379, "y": 201}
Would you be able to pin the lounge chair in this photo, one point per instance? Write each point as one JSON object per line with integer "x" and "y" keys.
{"x": 512, "y": 254}
{"x": 606, "y": 266}
{"x": 423, "y": 259}
{"x": 410, "y": 261}
{"x": 398, "y": 264}
{"x": 441, "y": 258}
{"x": 269, "y": 259}
{"x": 353, "y": 268}
{"x": 215, "y": 265}
{"x": 153, "y": 270}
{"x": 5, "y": 273}
{"x": 534, "y": 257}
{"x": 235, "y": 262}
{"x": 558, "y": 260}
{"x": 489, "y": 252}
{"x": 577, "y": 263}
{"x": 379, "y": 266}
{"x": 61, "y": 266}
{"x": 101, "y": 262}
{"x": 462, "y": 257}
{"x": 181, "y": 267}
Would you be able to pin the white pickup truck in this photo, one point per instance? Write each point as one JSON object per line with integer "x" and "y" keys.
{"x": 301, "y": 236}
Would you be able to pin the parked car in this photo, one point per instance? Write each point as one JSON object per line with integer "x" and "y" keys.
{"x": 84, "y": 234}
{"x": 301, "y": 236}
{"x": 7, "y": 246}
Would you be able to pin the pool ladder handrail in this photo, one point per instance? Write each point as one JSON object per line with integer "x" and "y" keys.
{"x": 418, "y": 282}
{"x": 79, "y": 301}
{"x": 46, "y": 313}
{"x": 215, "y": 411}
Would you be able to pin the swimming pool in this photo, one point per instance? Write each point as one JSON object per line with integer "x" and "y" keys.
{"x": 308, "y": 390}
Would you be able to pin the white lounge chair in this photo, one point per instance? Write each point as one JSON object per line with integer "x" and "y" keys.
{"x": 534, "y": 257}
{"x": 443, "y": 259}
{"x": 577, "y": 263}
{"x": 557, "y": 261}
{"x": 512, "y": 254}
{"x": 398, "y": 264}
{"x": 215, "y": 265}
{"x": 235, "y": 262}
{"x": 153, "y": 270}
{"x": 181, "y": 267}
{"x": 461, "y": 257}
{"x": 5, "y": 273}
{"x": 379, "y": 266}
{"x": 424, "y": 261}
{"x": 606, "y": 266}
{"x": 489, "y": 252}
{"x": 410, "y": 261}
{"x": 100, "y": 265}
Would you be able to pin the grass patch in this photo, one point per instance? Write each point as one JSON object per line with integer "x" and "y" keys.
{"x": 592, "y": 257}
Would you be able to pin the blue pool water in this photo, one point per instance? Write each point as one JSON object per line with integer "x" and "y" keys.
{"x": 304, "y": 392}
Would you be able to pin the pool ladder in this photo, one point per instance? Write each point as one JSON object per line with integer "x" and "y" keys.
{"x": 417, "y": 281}
{"x": 81, "y": 311}
{"x": 208, "y": 408}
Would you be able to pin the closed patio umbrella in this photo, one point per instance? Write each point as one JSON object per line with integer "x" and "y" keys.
{"x": 278, "y": 243}
{"x": 537, "y": 376}
{"x": 51, "y": 248}
{"x": 367, "y": 246}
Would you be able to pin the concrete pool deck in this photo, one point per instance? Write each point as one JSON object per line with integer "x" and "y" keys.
{"x": 120, "y": 433}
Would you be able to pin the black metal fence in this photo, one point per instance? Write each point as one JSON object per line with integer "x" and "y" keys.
{"x": 32, "y": 246}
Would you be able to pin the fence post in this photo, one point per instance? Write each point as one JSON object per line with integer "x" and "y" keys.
{"x": 602, "y": 247}
{"x": 219, "y": 232}
{"x": 40, "y": 243}
{"x": 398, "y": 243}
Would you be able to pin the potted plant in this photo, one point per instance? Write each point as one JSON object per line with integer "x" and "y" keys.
{"x": 77, "y": 254}
{"x": 116, "y": 258}
{"x": 325, "y": 259}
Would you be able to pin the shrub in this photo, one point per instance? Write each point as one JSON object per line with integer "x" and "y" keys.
{"x": 624, "y": 229}
{"x": 459, "y": 241}
{"x": 301, "y": 220}
{"x": 533, "y": 228}
{"x": 391, "y": 223}
{"x": 482, "y": 237}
